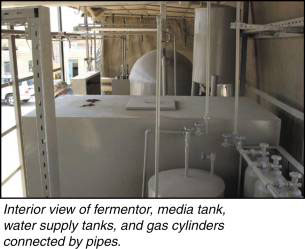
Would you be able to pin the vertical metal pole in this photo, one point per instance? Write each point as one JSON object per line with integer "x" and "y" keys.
{"x": 163, "y": 65}
{"x": 237, "y": 67}
{"x": 95, "y": 52}
{"x": 44, "y": 101}
{"x": 193, "y": 89}
{"x": 239, "y": 176}
{"x": 257, "y": 62}
{"x": 87, "y": 41}
{"x": 244, "y": 46}
{"x": 61, "y": 46}
{"x": 17, "y": 108}
{"x": 102, "y": 57}
{"x": 187, "y": 138}
{"x": 147, "y": 131}
{"x": 207, "y": 85}
{"x": 175, "y": 67}
{"x": 91, "y": 53}
{"x": 158, "y": 87}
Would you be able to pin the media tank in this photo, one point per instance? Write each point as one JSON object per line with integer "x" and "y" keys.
{"x": 143, "y": 74}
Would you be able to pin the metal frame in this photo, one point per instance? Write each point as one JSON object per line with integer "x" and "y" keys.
{"x": 289, "y": 28}
{"x": 61, "y": 46}
{"x": 38, "y": 22}
{"x": 242, "y": 155}
{"x": 160, "y": 27}
{"x": 237, "y": 69}
{"x": 17, "y": 108}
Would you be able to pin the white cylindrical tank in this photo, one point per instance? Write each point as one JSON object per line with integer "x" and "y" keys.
{"x": 199, "y": 183}
{"x": 263, "y": 164}
{"x": 222, "y": 40}
{"x": 276, "y": 178}
{"x": 142, "y": 76}
{"x": 251, "y": 178}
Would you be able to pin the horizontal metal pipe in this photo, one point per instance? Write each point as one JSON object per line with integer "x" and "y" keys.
{"x": 8, "y": 131}
{"x": 10, "y": 176}
{"x": 172, "y": 132}
{"x": 294, "y": 112}
{"x": 291, "y": 159}
{"x": 25, "y": 78}
{"x": 20, "y": 34}
{"x": 126, "y": 29}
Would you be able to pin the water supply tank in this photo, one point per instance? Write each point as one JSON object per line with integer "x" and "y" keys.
{"x": 222, "y": 44}
{"x": 199, "y": 183}
{"x": 143, "y": 74}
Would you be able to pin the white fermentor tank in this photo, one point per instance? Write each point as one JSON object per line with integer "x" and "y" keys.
{"x": 143, "y": 74}
{"x": 222, "y": 40}
{"x": 199, "y": 183}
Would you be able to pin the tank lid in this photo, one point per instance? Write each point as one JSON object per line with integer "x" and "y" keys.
{"x": 199, "y": 183}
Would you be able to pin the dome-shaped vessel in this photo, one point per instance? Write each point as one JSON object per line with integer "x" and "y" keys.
{"x": 143, "y": 74}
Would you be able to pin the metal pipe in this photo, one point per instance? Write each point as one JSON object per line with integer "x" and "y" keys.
{"x": 91, "y": 54}
{"x": 61, "y": 46}
{"x": 193, "y": 88}
{"x": 125, "y": 29}
{"x": 95, "y": 52}
{"x": 187, "y": 140}
{"x": 237, "y": 68}
{"x": 102, "y": 57}
{"x": 8, "y": 131}
{"x": 87, "y": 41}
{"x": 239, "y": 176}
{"x": 17, "y": 108}
{"x": 291, "y": 159}
{"x": 207, "y": 99}
{"x": 163, "y": 62}
{"x": 158, "y": 86}
{"x": 175, "y": 66}
{"x": 294, "y": 112}
{"x": 212, "y": 159}
{"x": 147, "y": 131}
{"x": 25, "y": 78}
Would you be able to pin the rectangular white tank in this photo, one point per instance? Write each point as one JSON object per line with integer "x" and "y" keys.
{"x": 100, "y": 148}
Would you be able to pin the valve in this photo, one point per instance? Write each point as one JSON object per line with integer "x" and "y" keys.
{"x": 239, "y": 141}
{"x": 295, "y": 176}
{"x": 199, "y": 128}
{"x": 227, "y": 140}
{"x": 276, "y": 162}
{"x": 264, "y": 147}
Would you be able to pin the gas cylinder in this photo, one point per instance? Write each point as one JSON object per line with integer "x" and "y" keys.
{"x": 292, "y": 188}
{"x": 262, "y": 164}
{"x": 274, "y": 177}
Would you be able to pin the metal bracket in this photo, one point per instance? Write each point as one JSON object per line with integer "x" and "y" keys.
{"x": 289, "y": 28}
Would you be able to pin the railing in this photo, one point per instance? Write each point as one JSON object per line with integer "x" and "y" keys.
{"x": 294, "y": 112}
{"x": 25, "y": 78}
